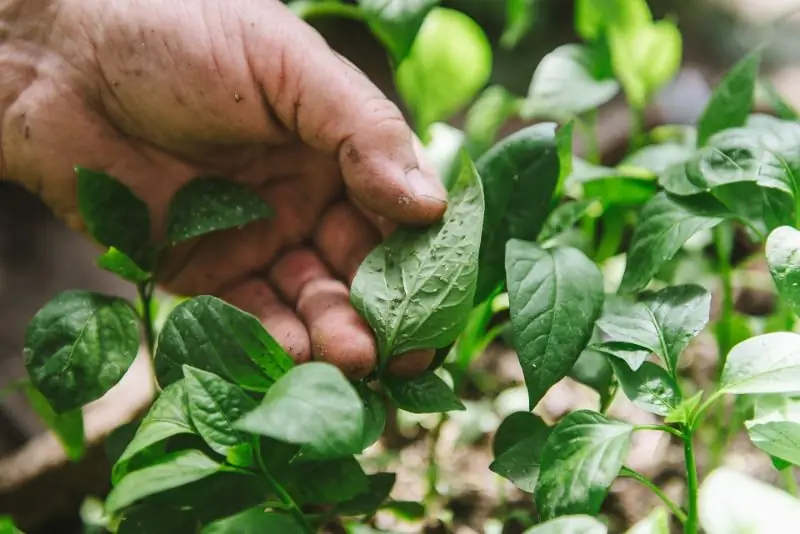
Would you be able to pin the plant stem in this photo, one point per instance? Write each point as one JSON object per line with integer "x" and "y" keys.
{"x": 145, "y": 291}
{"x": 646, "y": 482}
{"x": 588, "y": 125}
{"x": 789, "y": 481}
{"x": 283, "y": 495}
{"x": 637, "y": 128}
{"x": 662, "y": 428}
{"x": 433, "y": 469}
{"x": 691, "y": 526}
{"x": 723, "y": 243}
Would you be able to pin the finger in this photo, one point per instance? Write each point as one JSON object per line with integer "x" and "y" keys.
{"x": 338, "y": 334}
{"x": 255, "y": 297}
{"x": 333, "y": 107}
{"x": 345, "y": 238}
{"x": 384, "y": 225}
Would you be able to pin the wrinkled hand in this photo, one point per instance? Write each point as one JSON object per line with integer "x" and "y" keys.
{"x": 158, "y": 92}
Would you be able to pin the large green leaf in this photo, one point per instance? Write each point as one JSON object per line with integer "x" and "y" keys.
{"x": 211, "y": 335}
{"x": 374, "y": 415}
{"x": 209, "y": 204}
{"x": 783, "y": 257}
{"x": 416, "y": 289}
{"x": 775, "y": 429}
{"x": 424, "y": 394}
{"x": 659, "y": 158}
{"x": 563, "y": 218}
{"x": 79, "y": 346}
{"x": 570, "y": 524}
{"x": 731, "y": 101}
{"x": 254, "y": 521}
{"x": 613, "y": 187}
{"x": 565, "y": 84}
{"x": 324, "y": 482}
{"x": 519, "y": 176}
{"x": 663, "y": 322}
{"x": 315, "y": 406}
{"x": 555, "y": 296}
{"x": 519, "y": 448}
{"x": 449, "y": 63}
{"x": 396, "y": 22}
{"x": 379, "y": 486}
{"x": 650, "y": 387}
{"x": 769, "y": 363}
{"x": 580, "y": 460}
{"x": 67, "y": 426}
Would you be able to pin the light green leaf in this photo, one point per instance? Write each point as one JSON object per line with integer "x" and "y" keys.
{"x": 486, "y": 116}
{"x": 732, "y": 99}
{"x": 117, "y": 262}
{"x": 449, "y": 62}
{"x": 663, "y": 322}
{"x": 425, "y": 394}
{"x": 565, "y": 84}
{"x": 518, "y": 448}
{"x": 580, "y": 460}
{"x": 519, "y": 20}
{"x": 79, "y": 346}
{"x": 555, "y": 296}
{"x": 685, "y": 412}
{"x": 626, "y": 187}
{"x": 211, "y": 335}
{"x": 593, "y": 17}
{"x": 444, "y": 150}
{"x": 655, "y": 523}
{"x": 783, "y": 257}
{"x": 67, "y": 426}
{"x": 416, "y": 289}
{"x": 396, "y": 22}
{"x": 7, "y": 526}
{"x": 171, "y": 471}
{"x": 658, "y": 158}
{"x": 650, "y": 387}
{"x": 254, "y": 521}
{"x": 564, "y": 217}
{"x": 766, "y": 92}
{"x": 776, "y": 427}
{"x": 312, "y": 405}
{"x": 633, "y": 355}
{"x": 665, "y": 225}
{"x": 519, "y": 176}
{"x": 214, "y": 405}
{"x": 769, "y": 363}
{"x": 570, "y": 524}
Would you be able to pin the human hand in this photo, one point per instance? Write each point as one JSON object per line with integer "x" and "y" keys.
{"x": 156, "y": 93}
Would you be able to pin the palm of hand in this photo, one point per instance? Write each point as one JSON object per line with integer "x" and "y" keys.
{"x": 157, "y": 93}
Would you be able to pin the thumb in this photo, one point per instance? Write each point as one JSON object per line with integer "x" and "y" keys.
{"x": 331, "y": 106}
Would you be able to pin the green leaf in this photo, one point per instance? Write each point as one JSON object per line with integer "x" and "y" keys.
{"x": 486, "y": 116}
{"x": 566, "y": 84}
{"x": 629, "y": 187}
{"x": 117, "y": 262}
{"x": 732, "y": 99}
{"x": 325, "y": 482}
{"x": 570, "y": 524}
{"x": 655, "y": 523}
{"x": 210, "y": 204}
{"x": 564, "y": 137}
{"x": 171, "y": 471}
{"x": 665, "y": 225}
{"x": 519, "y": 459}
{"x": 7, "y": 526}
{"x": 374, "y": 415}
{"x": 773, "y": 99}
{"x": 519, "y": 176}
{"x": 416, "y": 289}
{"x": 593, "y": 17}
{"x": 776, "y": 427}
{"x": 426, "y": 393}
{"x": 406, "y": 510}
{"x": 650, "y": 387}
{"x": 379, "y": 486}
{"x": 79, "y": 346}
{"x": 564, "y": 217}
{"x": 783, "y": 257}
{"x": 519, "y": 20}
{"x": 592, "y": 369}
{"x": 214, "y": 405}
{"x": 211, "y": 335}
{"x": 396, "y": 22}
{"x": 555, "y": 297}
{"x": 769, "y": 363}
{"x": 67, "y": 426}
{"x": 630, "y": 353}
{"x": 663, "y": 322}
{"x": 685, "y": 412}
{"x": 168, "y": 417}
{"x": 315, "y": 406}
{"x": 449, "y": 62}
{"x": 113, "y": 215}
{"x": 658, "y": 159}
{"x": 254, "y": 521}
{"x": 580, "y": 460}
{"x": 443, "y": 151}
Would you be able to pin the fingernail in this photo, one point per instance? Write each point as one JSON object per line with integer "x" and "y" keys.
{"x": 425, "y": 187}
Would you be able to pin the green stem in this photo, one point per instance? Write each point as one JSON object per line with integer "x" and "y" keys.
{"x": 330, "y": 9}
{"x": 646, "y": 482}
{"x": 282, "y": 494}
{"x": 637, "y": 128}
{"x": 145, "y": 290}
{"x": 662, "y": 428}
{"x": 789, "y": 481}
{"x": 605, "y": 404}
{"x": 691, "y": 526}
{"x": 588, "y": 126}
{"x": 723, "y": 243}
{"x": 433, "y": 469}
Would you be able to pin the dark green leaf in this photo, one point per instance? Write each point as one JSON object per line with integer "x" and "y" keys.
{"x": 113, "y": 215}
{"x": 519, "y": 176}
{"x": 487, "y": 115}
{"x": 513, "y": 429}
{"x": 168, "y": 416}
{"x": 315, "y": 406}
{"x": 783, "y": 257}
{"x": 731, "y": 101}
{"x": 630, "y": 353}
{"x": 254, "y": 521}
{"x": 663, "y": 322}
{"x": 407, "y": 510}
{"x": 171, "y": 471}
{"x": 761, "y": 209}
{"x": 665, "y": 225}
{"x": 396, "y": 22}
{"x": 650, "y": 387}
{"x": 424, "y": 394}
{"x": 214, "y": 336}
{"x": 67, "y": 426}
{"x": 207, "y": 205}
{"x": 117, "y": 262}
{"x": 330, "y": 481}
{"x": 580, "y": 460}
{"x": 769, "y": 363}
{"x": 564, "y": 217}
{"x": 565, "y": 85}
{"x": 214, "y": 405}
{"x": 379, "y": 487}
{"x": 592, "y": 369}
{"x": 374, "y": 415}
{"x": 520, "y": 453}
{"x": 571, "y": 524}
{"x": 519, "y": 20}
{"x": 555, "y": 297}
{"x": 416, "y": 289}
{"x": 79, "y": 346}
{"x": 157, "y": 520}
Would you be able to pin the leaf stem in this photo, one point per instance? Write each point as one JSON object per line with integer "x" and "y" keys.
{"x": 649, "y": 484}
{"x": 723, "y": 244}
{"x": 283, "y": 495}
{"x": 691, "y": 526}
{"x": 588, "y": 126}
{"x": 637, "y": 128}
{"x": 662, "y": 428}
{"x": 145, "y": 290}
{"x": 789, "y": 481}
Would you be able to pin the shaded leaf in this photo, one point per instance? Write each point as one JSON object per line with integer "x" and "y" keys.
{"x": 396, "y": 22}
{"x": 426, "y": 393}
{"x": 379, "y": 486}
{"x": 563, "y": 218}
{"x": 254, "y": 521}
{"x": 519, "y": 448}
{"x": 650, "y": 387}
{"x": 67, "y": 426}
